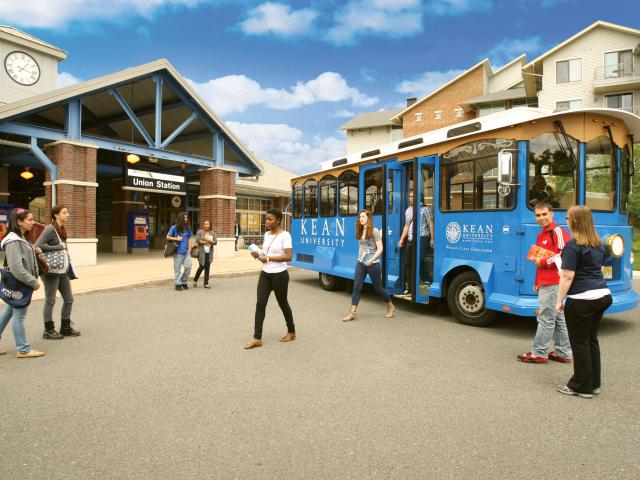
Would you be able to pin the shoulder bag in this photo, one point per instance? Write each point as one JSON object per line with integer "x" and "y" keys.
{"x": 170, "y": 249}
{"x": 12, "y": 291}
{"x": 58, "y": 260}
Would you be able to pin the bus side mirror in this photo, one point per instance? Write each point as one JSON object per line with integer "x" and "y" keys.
{"x": 504, "y": 167}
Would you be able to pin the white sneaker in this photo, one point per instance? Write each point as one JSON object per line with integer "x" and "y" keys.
{"x": 567, "y": 391}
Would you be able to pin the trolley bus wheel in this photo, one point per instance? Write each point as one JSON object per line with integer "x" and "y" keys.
{"x": 329, "y": 282}
{"x": 466, "y": 300}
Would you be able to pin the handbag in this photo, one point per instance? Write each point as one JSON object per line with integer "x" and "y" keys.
{"x": 170, "y": 249}
{"x": 12, "y": 291}
{"x": 71, "y": 273}
{"x": 195, "y": 251}
{"x": 57, "y": 261}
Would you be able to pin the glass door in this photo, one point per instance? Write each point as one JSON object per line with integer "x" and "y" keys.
{"x": 424, "y": 203}
{"x": 393, "y": 271}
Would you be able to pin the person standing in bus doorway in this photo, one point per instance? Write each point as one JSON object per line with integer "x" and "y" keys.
{"x": 426, "y": 245}
{"x": 276, "y": 251}
{"x": 181, "y": 234}
{"x": 406, "y": 241}
{"x": 551, "y": 324}
{"x": 369, "y": 251}
{"x": 588, "y": 296}
{"x": 236, "y": 232}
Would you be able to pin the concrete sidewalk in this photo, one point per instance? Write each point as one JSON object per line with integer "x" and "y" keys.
{"x": 117, "y": 271}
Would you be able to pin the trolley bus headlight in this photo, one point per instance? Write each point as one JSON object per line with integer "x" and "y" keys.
{"x": 614, "y": 245}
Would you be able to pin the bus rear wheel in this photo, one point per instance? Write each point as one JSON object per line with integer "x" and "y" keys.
{"x": 329, "y": 282}
{"x": 466, "y": 300}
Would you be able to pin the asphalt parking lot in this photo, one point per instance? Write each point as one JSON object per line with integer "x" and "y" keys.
{"x": 158, "y": 386}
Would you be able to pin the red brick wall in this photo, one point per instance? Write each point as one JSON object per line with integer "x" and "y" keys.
{"x": 446, "y": 101}
{"x": 221, "y": 211}
{"x": 78, "y": 163}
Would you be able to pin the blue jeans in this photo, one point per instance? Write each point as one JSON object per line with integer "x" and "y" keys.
{"x": 550, "y": 325}
{"x": 181, "y": 260}
{"x": 375, "y": 274}
{"x": 19, "y": 335}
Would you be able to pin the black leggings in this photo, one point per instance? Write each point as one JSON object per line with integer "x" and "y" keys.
{"x": 278, "y": 283}
{"x": 205, "y": 267}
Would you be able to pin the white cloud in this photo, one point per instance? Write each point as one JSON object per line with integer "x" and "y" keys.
{"x": 285, "y": 146}
{"x": 510, "y": 48}
{"x": 457, "y": 7}
{"x": 65, "y": 79}
{"x": 278, "y": 19}
{"x": 343, "y": 114}
{"x": 426, "y": 82}
{"x": 393, "y": 18}
{"x": 236, "y": 93}
{"x": 43, "y": 14}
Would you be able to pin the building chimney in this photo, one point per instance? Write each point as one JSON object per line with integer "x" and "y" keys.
{"x": 411, "y": 101}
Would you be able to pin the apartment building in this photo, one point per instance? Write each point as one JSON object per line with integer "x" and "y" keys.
{"x": 597, "y": 67}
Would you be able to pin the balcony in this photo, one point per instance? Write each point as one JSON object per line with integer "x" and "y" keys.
{"x": 616, "y": 78}
{"x": 634, "y": 110}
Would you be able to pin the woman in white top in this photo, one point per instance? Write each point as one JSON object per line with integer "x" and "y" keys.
{"x": 276, "y": 252}
{"x": 206, "y": 239}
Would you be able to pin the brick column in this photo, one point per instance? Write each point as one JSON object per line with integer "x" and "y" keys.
{"x": 76, "y": 189}
{"x": 218, "y": 204}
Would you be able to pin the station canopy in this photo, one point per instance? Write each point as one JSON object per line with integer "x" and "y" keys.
{"x": 149, "y": 110}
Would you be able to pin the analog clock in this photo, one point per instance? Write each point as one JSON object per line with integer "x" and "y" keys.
{"x": 22, "y": 68}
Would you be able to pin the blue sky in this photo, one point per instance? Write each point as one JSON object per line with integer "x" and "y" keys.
{"x": 286, "y": 74}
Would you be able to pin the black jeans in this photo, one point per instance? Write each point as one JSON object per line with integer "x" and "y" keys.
{"x": 376, "y": 279}
{"x": 583, "y": 320}
{"x": 205, "y": 267}
{"x": 278, "y": 283}
{"x": 426, "y": 259}
{"x": 408, "y": 263}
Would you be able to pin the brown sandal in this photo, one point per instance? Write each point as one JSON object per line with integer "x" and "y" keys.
{"x": 253, "y": 344}
{"x": 289, "y": 337}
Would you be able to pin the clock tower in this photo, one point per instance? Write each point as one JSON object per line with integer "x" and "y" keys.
{"x": 29, "y": 65}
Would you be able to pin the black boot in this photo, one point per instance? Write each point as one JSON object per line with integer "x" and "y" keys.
{"x": 50, "y": 332}
{"x": 67, "y": 330}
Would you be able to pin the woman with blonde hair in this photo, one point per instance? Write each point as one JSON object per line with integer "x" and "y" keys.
{"x": 582, "y": 282}
{"x": 370, "y": 249}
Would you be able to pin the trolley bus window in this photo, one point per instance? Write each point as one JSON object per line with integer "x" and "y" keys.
{"x": 328, "y": 191}
{"x": 601, "y": 175}
{"x": 469, "y": 176}
{"x": 310, "y": 198}
{"x": 297, "y": 200}
{"x": 551, "y": 176}
{"x": 625, "y": 188}
{"x": 348, "y": 188}
{"x": 374, "y": 190}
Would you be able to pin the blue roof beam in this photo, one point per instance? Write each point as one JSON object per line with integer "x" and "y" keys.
{"x": 158, "y": 79}
{"x": 49, "y": 165}
{"x": 218, "y": 149}
{"x": 179, "y": 130}
{"x": 73, "y": 118}
{"x": 132, "y": 116}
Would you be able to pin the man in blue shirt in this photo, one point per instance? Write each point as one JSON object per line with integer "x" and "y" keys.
{"x": 181, "y": 234}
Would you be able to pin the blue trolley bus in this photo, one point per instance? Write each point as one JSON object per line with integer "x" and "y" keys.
{"x": 480, "y": 179}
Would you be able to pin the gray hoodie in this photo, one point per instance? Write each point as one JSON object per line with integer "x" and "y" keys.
{"x": 21, "y": 259}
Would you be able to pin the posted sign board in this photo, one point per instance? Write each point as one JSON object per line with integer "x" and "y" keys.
{"x": 156, "y": 182}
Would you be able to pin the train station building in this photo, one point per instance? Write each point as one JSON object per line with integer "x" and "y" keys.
{"x": 125, "y": 153}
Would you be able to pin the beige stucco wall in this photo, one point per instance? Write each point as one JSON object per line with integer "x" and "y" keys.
{"x": 506, "y": 77}
{"x": 368, "y": 138}
{"x": 591, "y": 48}
{"x": 11, "y": 91}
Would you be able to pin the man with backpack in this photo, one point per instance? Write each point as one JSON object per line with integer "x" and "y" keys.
{"x": 551, "y": 324}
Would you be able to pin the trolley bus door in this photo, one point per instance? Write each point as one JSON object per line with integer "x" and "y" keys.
{"x": 425, "y": 202}
{"x": 393, "y": 225}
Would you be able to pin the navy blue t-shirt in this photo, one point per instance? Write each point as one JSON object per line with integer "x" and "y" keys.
{"x": 183, "y": 245}
{"x": 587, "y": 263}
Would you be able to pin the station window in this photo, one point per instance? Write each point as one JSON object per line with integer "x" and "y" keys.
{"x": 328, "y": 191}
{"x": 601, "y": 175}
{"x": 625, "y": 188}
{"x": 310, "y": 198}
{"x": 469, "y": 176}
{"x": 552, "y": 176}
{"x": 348, "y": 188}
{"x": 374, "y": 190}
{"x": 297, "y": 200}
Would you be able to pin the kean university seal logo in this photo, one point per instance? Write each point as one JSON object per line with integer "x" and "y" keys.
{"x": 453, "y": 232}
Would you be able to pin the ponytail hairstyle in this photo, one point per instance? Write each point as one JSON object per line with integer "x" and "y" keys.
{"x": 59, "y": 228}
{"x": 16, "y": 215}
